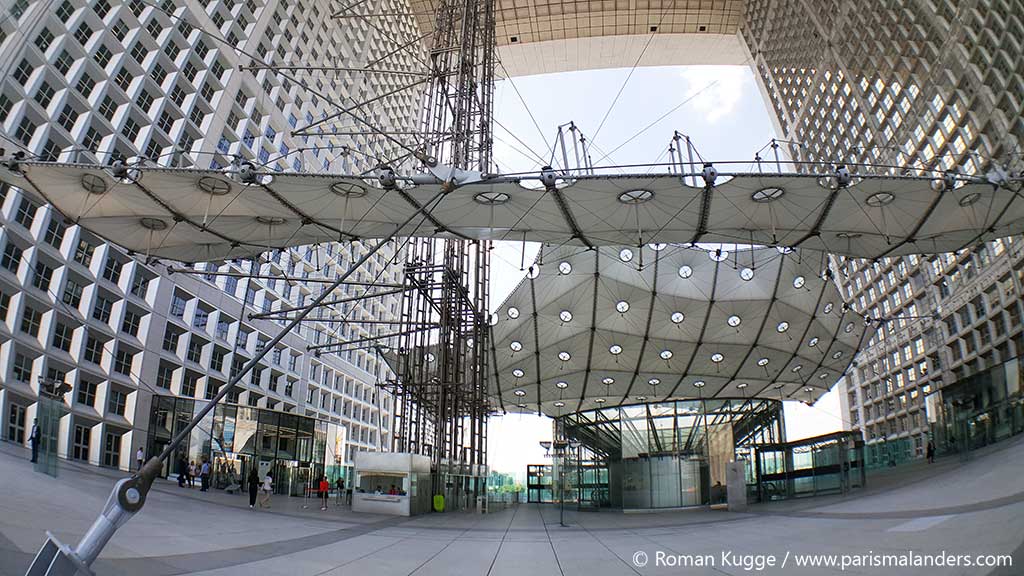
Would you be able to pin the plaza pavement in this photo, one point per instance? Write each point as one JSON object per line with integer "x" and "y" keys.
{"x": 959, "y": 507}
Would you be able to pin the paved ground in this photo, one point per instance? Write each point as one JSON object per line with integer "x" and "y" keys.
{"x": 974, "y": 507}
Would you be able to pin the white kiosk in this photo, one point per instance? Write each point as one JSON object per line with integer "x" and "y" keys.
{"x": 392, "y": 483}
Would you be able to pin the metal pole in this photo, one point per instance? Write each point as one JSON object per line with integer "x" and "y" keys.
{"x": 561, "y": 472}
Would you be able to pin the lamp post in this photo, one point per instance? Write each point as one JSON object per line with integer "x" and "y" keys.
{"x": 559, "y": 450}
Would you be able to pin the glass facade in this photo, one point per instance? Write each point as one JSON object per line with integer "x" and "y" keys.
{"x": 829, "y": 464}
{"x": 978, "y": 410}
{"x": 660, "y": 455}
{"x": 295, "y": 449}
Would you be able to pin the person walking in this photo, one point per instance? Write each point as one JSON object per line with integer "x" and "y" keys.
{"x": 253, "y": 481}
{"x": 325, "y": 491}
{"x": 33, "y": 439}
{"x": 140, "y": 458}
{"x": 192, "y": 471}
{"x": 267, "y": 490}
{"x": 930, "y": 452}
{"x": 340, "y": 485}
{"x": 182, "y": 470}
{"x": 204, "y": 475}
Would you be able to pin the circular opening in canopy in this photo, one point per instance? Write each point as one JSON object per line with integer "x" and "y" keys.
{"x": 491, "y": 198}
{"x": 94, "y": 184}
{"x": 564, "y": 268}
{"x": 762, "y": 362}
{"x": 348, "y": 189}
{"x": 213, "y": 186}
{"x": 717, "y": 357}
{"x": 565, "y": 316}
{"x": 782, "y": 327}
{"x": 747, "y": 274}
{"x": 622, "y": 306}
{"x": 654, "y": 381}
{"x": 828, "y": 307}
{"x": 564, "y": 356}
{"x": 608, "y": 381}
{"x": 154, "y": 224}
{"x": 561, "y": 384}
{"x": 685, "y": 271}
{"x": 734, "y": 321}
{"x": 666, "y": 354}
{"x": 677, "y": 317}
{"x": 837, "y": 355}
{"x": 765, "y": 195}
{"x": 520, "y": 392}
{"x": 559, "y": 404}
{"x": 699, "y": 384}
{"x": 516, "y": 346}
{"x": 625, "y": 254}
{"x": 635, "y": 196}
{"x": 813, "y": 342}
{"x": 880, "y": 199}
{"x": 513, "y": 312}
{"x": 615, "y": 349}
{"x": 969, "y": 199}
{"x": 799, "y": 282}
{"x": 518, "y": 373}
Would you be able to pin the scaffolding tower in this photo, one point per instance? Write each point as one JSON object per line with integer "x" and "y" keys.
{"x": 440, "y": 387}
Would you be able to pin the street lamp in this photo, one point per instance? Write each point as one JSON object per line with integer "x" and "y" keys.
{"x": 559, "y": 450}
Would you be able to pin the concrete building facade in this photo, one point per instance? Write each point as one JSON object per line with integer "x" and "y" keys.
{"x": 162, "y": 83}
{"x": 908, "y": 85}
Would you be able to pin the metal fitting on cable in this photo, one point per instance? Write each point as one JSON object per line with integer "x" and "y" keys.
{"x": 387, "y": 178}
{"x": 843, "y": 176}
{"x": 547, "y": 177}
{"x": 119, "y": 169}
{"x": 13, "y": 162}
{"x": 709, "y": 174}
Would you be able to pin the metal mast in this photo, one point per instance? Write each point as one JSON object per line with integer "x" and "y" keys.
{"x": 458, "y": 102}
{"x": 441, "y": 371}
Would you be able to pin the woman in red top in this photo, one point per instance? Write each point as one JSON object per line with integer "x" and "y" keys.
{"x": 325, "y": 488}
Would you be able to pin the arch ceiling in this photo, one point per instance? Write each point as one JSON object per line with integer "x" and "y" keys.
{"x": 540, "y": 36}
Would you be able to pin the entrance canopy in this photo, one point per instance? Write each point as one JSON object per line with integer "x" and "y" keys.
{"x": 598, "y": 328}
{"x": 201, "y": 215}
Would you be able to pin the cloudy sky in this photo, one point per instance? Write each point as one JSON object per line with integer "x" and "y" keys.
{"x": 719, "y": 107}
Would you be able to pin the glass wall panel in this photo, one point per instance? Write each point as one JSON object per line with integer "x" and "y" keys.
{"x": 665, "y": 487}
{"x": 634, "y": 430}
{"x": 636, "y": 483}
{"x": 199, "y": 438}
{"x": 267, "y": 434}
{"x": 245, "y": 430}
{"x": 288, "y": 437}
{"x": 304, "y": 439}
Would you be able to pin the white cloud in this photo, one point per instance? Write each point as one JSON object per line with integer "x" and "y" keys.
{"x": 715, "y": 90}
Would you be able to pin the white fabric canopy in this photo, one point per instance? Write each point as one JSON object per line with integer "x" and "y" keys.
{"x": 593, "y": 328}
{"x": 200, "y": 215}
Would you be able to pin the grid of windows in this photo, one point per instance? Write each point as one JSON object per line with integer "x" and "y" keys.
{"x": 86, "y": 100}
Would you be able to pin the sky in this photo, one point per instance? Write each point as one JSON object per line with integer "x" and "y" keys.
{"x": 719, "y": 107}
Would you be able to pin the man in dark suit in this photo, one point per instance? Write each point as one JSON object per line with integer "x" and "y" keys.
{"x": 33, "y": 439}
